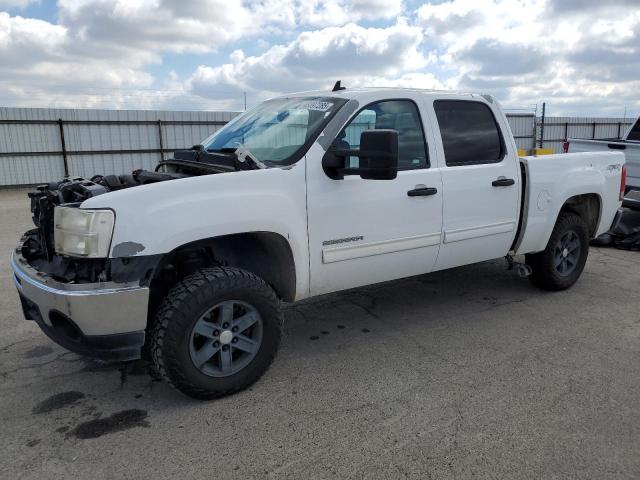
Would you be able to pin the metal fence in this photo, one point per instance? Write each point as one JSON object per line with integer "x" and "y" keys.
{"x": 551, "y": 132}
{"x": 556, "y": 130}
{"x": 523, "y": 128}
{"x": 42, "y": 145}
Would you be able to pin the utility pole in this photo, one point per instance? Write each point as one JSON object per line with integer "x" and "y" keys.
{"x": 544, "y": 105}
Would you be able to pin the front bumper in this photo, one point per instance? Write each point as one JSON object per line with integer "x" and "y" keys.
{"x": 104, "y": 320}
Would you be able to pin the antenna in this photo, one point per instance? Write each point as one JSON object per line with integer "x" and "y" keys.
{"x": 338, "y": 87}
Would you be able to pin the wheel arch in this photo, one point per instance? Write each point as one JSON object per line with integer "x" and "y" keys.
{"x": 266, "y": 254}
{"x": 587, "y": 206}
{"x": 539, "y": 221}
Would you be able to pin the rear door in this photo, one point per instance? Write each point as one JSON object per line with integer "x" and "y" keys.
{"x": 481, "y": 182}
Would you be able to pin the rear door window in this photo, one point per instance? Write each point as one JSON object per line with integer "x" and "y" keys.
{"x": 469, "y": 131}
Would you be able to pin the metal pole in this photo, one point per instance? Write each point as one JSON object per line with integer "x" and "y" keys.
{"x": 245, "y": 101}
{"x": 64, "y": 148}
{"x": 566, "y": 131}
{"x": 593, "y": 131}
{"x": 544, "y": 106}
{"x": 160, "y": 139}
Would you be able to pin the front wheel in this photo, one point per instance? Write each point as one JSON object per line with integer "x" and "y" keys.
{"x": 216, "y": 332}
{"x": 560, "y": 265}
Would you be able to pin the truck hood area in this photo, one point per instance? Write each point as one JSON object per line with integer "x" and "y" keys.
{"x": 37, "y": 246}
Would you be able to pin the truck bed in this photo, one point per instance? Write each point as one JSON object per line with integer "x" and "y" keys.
{"x": 551, "y": 179}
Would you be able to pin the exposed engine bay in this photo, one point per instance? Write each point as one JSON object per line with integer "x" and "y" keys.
{"x": 38, "y": 244}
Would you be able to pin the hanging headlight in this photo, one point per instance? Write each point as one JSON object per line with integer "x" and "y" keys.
{"x": 83, "y": 233}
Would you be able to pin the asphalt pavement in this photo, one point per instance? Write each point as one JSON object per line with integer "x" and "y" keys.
{"x": 468, "y": 373}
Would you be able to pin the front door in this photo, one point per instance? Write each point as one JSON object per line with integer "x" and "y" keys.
{"x": 368, "y": 231}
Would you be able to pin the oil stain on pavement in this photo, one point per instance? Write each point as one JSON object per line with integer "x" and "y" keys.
{"x": 39, "y": 351}
{"x": 57, "y": 401}
{"x": 116, "y": 422}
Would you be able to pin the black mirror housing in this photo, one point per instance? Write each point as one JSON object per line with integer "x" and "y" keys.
{"x": 378, "y": 155}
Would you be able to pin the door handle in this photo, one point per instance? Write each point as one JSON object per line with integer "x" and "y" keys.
{"x": 422, "y": 191}
{"x": 503, "y": 182}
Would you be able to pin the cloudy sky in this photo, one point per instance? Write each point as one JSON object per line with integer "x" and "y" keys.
{"x": 580, "y": 56}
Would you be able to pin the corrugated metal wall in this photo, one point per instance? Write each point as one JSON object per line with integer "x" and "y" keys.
{"x": 523, "y": 129}
{"x": 136, "y": 134}
{"x": 177, "y": 133}
{"x": 557, "y": 129}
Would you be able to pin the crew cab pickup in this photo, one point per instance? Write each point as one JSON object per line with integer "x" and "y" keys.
{"x": 629, "y": 145}
{"x": 303, "y": 195}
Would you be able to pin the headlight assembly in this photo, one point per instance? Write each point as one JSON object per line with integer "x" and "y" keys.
{"x": 83, "y": 233}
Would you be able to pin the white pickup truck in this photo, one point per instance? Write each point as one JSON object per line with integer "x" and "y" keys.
{"x": 629, "y": 144}
{"x": 302, "y": 195}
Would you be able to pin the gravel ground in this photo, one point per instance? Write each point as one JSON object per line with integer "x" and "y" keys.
{"x": 469, "y": 373}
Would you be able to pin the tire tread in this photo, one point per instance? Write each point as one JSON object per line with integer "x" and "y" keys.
{"x": 172, "y": 310}
{"x": 543, "y": 273}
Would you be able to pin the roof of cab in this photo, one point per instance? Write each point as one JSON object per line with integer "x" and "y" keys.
{"x": 355, "y": 92}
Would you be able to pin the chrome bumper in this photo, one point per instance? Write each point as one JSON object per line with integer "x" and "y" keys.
{"x": 110, "y": 315}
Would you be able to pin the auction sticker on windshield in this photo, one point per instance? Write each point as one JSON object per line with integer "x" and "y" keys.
{"x": 316, "y": 105}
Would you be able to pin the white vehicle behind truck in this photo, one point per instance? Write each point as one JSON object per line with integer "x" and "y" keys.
{"x": 303, "y": 195}
{"x": 629, "y": 144}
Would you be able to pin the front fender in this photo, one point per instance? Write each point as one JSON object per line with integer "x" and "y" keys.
{"x": 157, "y": 218}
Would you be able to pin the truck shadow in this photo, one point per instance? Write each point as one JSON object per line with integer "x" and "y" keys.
{"x": 84, "y": 390}
{"x": 425, "y": 300}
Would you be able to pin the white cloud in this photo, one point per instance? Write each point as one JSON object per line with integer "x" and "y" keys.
{"x": 317, "y": 58}
{"x": 98, "y": 46}
{"x": 19, "y": 4}
{"x": 40, "y": 62}
{"x": 340, "y": 12}
{"x": 201, "y": 26}
{"x": 580, "y": 55}
{"x": 527, "y": 51}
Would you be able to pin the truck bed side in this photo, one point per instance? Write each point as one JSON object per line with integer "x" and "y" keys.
{"x": 551, "y": 180}
{"x": 631, "y": 150}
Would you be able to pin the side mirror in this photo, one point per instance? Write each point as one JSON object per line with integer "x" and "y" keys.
{"x": 378, "y": 156}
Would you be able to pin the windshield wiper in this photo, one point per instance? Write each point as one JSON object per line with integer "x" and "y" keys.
{"x": 244, "y": 155}
{"x": 220, "y": 150}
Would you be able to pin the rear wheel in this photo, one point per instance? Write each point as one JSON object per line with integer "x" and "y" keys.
{"x": 560, "y": 265}
{"x": 217, "y": 332}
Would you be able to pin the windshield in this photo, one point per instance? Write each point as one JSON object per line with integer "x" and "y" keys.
{"x": 277, "y": 130}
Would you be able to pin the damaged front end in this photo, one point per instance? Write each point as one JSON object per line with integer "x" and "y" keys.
{"x": 87, "y": 302}
{"x": 38, "y": 245}
{"x": 96, "y": 307}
